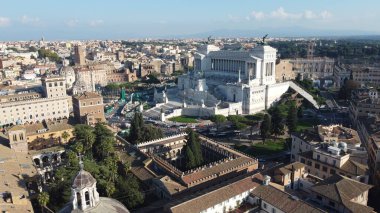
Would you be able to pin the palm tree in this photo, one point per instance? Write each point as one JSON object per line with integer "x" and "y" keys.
{"x": 43, "y": 200}
{"x": 65, "y": 136}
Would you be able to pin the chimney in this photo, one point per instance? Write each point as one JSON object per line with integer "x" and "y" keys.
{"x": 266, "y": 180}
{"x": 292, "y": 177}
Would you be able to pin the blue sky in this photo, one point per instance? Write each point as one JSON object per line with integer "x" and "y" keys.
{"x": 121, "y": 19}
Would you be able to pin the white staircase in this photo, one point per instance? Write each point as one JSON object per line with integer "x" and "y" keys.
{"x": 303, "y": 93}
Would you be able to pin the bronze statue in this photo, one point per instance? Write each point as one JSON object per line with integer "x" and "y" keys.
{"x": 266, "y": 36}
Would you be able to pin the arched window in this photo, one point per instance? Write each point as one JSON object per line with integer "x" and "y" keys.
{"x": 87, "y": 198}
{"x": 79, "y": 200}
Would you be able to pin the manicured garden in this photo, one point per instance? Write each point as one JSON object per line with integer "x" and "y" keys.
{"x": 184, "y": 119}
{"x": 270, "y": 147}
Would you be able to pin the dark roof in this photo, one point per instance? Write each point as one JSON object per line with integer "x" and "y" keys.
{"x": 342, "y": 190}
{"x": 282, "y": 200}
{"x": 355, "y": 168}
{"x": 83, "y": 179}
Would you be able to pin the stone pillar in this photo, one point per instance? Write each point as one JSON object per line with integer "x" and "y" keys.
{"x": 83, "y": 199}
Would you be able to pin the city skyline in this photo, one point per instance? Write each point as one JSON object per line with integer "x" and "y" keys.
{"x": 171, "y": 19}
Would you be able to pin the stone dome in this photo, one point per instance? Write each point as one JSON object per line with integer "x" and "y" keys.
{"x": 66, "y": 70}
{"x": 83, "y": 179}
{"x": 105, "y": 204}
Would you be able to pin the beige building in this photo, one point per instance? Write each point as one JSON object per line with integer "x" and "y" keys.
{"x": 90, "y": 76}
{"x": 319, "y": 135}
{"x": 341, "y": 194}
{"x": 289, "y": 175}
{"x": 284, "y": 71}
{"x": 32, "y": 107}
{"x": 326, "y": 161}
{"x": 313, "y": 68}
{"x": 366, "y": 75}
{"x": 88, "y": 108}
{"x": 79, "y": 55}
{"x": 40, "y": 135}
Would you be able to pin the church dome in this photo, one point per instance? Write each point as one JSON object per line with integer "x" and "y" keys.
{"x": 83, "y": 179}
{"x": 66, "y": 70}
{"x": 85, "y": 197}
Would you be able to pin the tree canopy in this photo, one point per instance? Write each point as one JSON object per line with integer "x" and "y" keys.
{"x": 193, "y": 150}
{"x": 44, "y": 53}
{"x": 139, "y": 132}
{"x": 266, "y": 127}
{"x": 101, "y": 160}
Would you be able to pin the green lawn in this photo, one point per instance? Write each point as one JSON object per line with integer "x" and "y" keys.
{"x": 270, "y": 147}
{"x": 303, "y": 125}
{"x": 183, "y": 119}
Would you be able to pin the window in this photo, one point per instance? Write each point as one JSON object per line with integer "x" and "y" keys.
{"x": 318, "y": 157}
{"x": 362, "y": 179}
{"x": 332, "y": 171}
{"x": 273, "y": 210}
{"x": 324, "y": 168}
{"x": 331, "y": 203}
{"x": 309, "y": 163}
{"x": 264, "y": 205}
{"x": 317, "y": 166}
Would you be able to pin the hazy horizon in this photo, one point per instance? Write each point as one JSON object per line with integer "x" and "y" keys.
{"x": 80, "y": 20}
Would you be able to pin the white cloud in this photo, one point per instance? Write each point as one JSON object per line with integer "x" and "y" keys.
{"x": 309, "y": 14}
{"x": 282, "y": 14}
{"x": 256, "y": 15}
{"x": 4, "y": 21}
{"x": 72, "y": 23}
{"x": 96, "y": 23}
{"x": 325, "y": 14}
{"x": 30, "y": 20}
{"x": 233, "y": 18}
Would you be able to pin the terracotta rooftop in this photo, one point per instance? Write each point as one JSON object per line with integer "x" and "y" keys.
{"x": 342, "y": 190}
{"x": 282, "y": 200}
{"x": 288, "y": 168}
{"x": 216, "y": 169}
{"x": 209, "y": 199}
{"x": 87, "y": 95}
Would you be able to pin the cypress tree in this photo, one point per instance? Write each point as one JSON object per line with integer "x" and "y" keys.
{"x": 292, "y": 118}
{"x": 190, "y": 159}
{"x": 265, "y": 127}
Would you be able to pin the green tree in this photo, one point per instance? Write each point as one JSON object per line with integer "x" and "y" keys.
{"x": 292, "y": 118}
{"x": 266, "y": 127}
{"x": 150, "y": 132}
{"x": 128, "y": 189}
{"x": 190, "y": 159}
{"x": 43, "y": 200}
{"x": 139, "y": 132}
{"x": 85, "y": 135}
{"x": 65, "y": 136}
{"x": 78, "y": 148}
{"x": 104, "y": 142}
{"x": 346, "y": 90}
{"x": 195, "y": 146}
{"x": 218, "y": 120}
{"x": 277, "y": 121}
{"x": 300, "y": 112}
{"x": 137, "y": 123}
